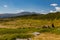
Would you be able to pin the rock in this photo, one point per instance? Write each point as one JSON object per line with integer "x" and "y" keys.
{"x": 36, "y": 33}
{"x": 45, "y": 26}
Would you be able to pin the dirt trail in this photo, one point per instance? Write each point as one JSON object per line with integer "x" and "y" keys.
{"x": 3, "y": 26}
{"x": 47, "y": 36}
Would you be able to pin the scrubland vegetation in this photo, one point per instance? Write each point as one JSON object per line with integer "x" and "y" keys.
{"x": 24, "y": 26}
{"x": 34, "y": 20}
{"x": 12, "y": 34}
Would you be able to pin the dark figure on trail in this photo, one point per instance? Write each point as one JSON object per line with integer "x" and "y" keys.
{"x": 53, "y": 25}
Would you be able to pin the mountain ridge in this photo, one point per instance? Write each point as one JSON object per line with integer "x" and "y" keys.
{"x": 33, "y": 15}
{"x": 6, "y": 15}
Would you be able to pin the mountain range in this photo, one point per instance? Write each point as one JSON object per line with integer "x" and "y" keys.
{"x": 32, "y": 15}
{"x": 6, "y": 15}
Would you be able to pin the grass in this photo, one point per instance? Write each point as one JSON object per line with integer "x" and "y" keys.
{"x": 20, "y": 22}
{"x": 10, "y": 34}
{"x": 14, "y": 36}
{"x": 47, "y": 36}
{"x": 24, "y": 27}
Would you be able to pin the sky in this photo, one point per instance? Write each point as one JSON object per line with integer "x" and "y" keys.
{"x": 39, "y": 6}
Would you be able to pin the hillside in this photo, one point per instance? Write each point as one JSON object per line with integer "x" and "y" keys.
{"x": 24, "y": 27}
{"x": 33, "y": 20}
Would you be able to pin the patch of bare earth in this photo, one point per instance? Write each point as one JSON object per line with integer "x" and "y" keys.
{"x": 3, "y": 26}
{"x": 47, "y": 36}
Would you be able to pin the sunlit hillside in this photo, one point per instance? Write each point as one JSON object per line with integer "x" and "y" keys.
{"x": 34, "y": 20}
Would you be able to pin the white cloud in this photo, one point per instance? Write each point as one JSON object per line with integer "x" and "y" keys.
{"x": 43, "y": 12}
{"x": 19, "y": 11}
{"x": 51, "y": 11}
{"x": 5, "y": 6}
{"x": 54, "y": 4}
{"x": 57, "y": 8}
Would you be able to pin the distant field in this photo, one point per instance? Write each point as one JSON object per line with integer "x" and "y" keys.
{"x": 18, "y": 23}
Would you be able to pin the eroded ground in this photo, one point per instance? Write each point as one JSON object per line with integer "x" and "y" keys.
{"x": 47, "y": 36}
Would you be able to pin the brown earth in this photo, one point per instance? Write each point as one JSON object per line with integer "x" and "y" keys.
{"x": 47, "y": 36}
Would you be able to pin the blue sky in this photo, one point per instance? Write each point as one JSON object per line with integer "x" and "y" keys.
{"x": 40, "y": 6}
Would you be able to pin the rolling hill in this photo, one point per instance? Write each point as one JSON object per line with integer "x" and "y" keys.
{"x": 28, "y": 19}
